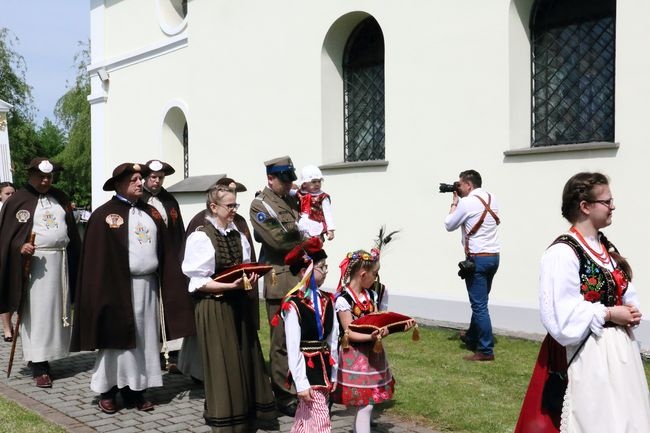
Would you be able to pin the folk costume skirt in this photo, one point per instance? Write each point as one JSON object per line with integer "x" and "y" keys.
{"x": 364, "y": 376}
{"x": 237, "y": 388}
{"x": 607, "y": 390}
{"x": 137, "y": 368}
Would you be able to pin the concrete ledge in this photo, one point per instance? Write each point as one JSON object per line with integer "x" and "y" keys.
{"x": 557, "y": 148}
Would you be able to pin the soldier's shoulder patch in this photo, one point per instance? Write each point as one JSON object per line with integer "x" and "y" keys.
{"x": 23, "y": 216}
{"x": 261, "y": 217}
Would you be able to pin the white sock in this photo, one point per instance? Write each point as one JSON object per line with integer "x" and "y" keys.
{"x": 362, "y": 419}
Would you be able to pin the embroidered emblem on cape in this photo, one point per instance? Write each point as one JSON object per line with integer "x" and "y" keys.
{"x": 260, "y": 217}
{"x": 50, "y": 220}
{"x": 155, "y": 214}
{"x": 174, "y": 215}
{"x": 114, "y": 221}
{"x": 142, "y": 234}
{"x": 22, "y": 216}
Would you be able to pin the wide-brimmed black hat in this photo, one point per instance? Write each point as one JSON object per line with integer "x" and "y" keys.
{"x": 239, "y": 187}
{"x": 43, "y": 165}
{"x": 158, "y": 165}
{"x": 123, "y": 170}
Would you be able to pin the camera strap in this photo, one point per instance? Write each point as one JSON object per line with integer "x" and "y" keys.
{"x": 479, "y": 223}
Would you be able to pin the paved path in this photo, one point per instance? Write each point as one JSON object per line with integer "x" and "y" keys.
{"x": 179, "y": 403}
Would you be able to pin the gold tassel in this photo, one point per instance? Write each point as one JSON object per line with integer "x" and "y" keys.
{"x": 416, "y": 333}
{"x": 247, "y": 282}
{"x": 274, "y": 278}
{"x": 377, "y": 347}
{"x": 345, "y": 341}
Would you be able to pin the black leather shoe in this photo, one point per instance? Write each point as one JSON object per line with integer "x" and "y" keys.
{"x": 289, "y": 409}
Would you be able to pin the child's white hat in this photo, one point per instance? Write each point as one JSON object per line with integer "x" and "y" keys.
{"x": 309, "y": 173}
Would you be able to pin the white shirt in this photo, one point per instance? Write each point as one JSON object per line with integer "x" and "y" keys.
{"x": 199, "y": 263}
{"x": 468, "y": 213}
{"x": 564, "y": 312}
{"x": 295, "y": 357}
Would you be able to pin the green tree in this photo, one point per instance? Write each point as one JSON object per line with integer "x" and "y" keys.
{"x": 51, "y": 138}
{"x": 73, "y": 113}
{"x": 23, "y": 137}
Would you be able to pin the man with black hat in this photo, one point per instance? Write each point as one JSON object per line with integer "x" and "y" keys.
{"x": 39, "y": 251}
{"x": 129, "y": 274}
{"x": 155, "y": 195}
{"x": 274, "y": 215}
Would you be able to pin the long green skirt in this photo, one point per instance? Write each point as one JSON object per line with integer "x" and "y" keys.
{"x": 237, "y": 387}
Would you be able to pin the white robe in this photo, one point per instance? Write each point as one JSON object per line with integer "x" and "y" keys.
{"x": 47, "y": 300}
{"x": 607, "y": 390}
{"x": 137, "y": 368}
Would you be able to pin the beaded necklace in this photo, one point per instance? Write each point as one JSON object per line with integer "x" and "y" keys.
{"x": 361, "y": 307}
{"x": 603, "y": 256}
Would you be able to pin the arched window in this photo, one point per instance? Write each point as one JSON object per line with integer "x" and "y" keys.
{"x": 186, "y": 155}
{"x": 363, "y": 76}
{"x": 573, "y": 57}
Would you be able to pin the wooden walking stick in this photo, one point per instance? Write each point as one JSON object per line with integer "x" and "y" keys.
{"x": 26, "y": 266}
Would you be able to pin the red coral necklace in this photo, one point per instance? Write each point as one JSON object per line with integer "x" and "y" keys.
{"x": 603, "y": 256}
{"x": 361, "y": 306}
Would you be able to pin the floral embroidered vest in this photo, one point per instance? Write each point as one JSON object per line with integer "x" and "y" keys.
{"x": 597, "y": 283}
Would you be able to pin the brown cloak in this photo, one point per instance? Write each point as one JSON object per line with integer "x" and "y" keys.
{"x": 103, "y": 316}
{"x": 174, "y": 219}
{"x": 14, "y": 233}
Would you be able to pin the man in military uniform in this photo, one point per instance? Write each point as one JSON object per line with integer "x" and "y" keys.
{"x": 274, "y": 215}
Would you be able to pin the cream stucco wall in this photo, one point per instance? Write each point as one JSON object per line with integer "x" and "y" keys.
{"x": 257, "y": 80}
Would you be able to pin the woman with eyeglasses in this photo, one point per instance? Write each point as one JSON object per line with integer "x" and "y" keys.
{"x": 237, "y": 388}
{"x": 589, "y": 307}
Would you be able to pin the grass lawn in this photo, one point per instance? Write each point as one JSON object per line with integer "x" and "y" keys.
{"x": 13, "y": 418}
{"x": 437, "y": 388}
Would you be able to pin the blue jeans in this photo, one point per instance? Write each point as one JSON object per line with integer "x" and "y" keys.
{"x": 479, "y": 285}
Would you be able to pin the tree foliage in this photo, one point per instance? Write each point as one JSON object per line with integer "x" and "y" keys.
{"x": 73, "y": 112}
{"x": 23, "y": 137}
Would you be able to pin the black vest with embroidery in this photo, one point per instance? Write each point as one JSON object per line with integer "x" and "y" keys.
{"x": 315, "y": 350}
{"x": 597, "y": 283}
{"x": 227, "y": 248}
{"x": 362, "y": 309}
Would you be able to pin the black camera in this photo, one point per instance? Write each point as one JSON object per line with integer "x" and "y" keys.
{"x": 467, "y": 269}
{"x": 449, "y": 187}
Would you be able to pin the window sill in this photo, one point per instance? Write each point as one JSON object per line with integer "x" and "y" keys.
{"x": 354, "y": 164}
{"x": 558, "y": 148}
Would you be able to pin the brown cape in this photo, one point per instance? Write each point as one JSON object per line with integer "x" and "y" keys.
{"x": 103, "y": 316}
{"x": 13, "y": 234}
{"x": 240, "y": 222}
{"x": 174, "y": 219}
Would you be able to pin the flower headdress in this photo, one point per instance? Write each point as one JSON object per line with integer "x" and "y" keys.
{"x": 352, "y": 258}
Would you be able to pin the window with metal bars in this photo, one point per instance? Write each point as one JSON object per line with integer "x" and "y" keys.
{"x": 573, "y": 60}
{"x": 186, "y": 157}
{"x": 363, "y": 76}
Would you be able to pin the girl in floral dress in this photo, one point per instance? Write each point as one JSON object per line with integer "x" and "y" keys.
{"x": 364, "y": 376}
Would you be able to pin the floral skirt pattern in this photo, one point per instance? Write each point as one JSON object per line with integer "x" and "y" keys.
{"x": 364, "y": 376}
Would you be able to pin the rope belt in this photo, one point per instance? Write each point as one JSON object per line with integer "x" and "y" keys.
{"x": 65, "y": 283}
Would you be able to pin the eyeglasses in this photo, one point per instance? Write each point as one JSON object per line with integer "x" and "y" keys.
{"x": 609, "y": 203}
{"x": 322, "y": 268}
{"x": 230, "y": 207}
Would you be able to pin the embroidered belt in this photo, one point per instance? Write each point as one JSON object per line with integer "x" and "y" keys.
{"x": 314, "y": 346}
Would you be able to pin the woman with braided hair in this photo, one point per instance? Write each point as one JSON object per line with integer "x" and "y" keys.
{"x": 589, "y": 307}
{"x": 364, "y": 376}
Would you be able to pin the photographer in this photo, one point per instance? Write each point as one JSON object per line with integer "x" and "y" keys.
{"x": 476, "y": 212}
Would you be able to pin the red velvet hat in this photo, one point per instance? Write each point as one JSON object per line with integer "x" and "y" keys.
{"x": 304, "y": 253}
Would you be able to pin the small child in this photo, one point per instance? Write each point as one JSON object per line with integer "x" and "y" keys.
{"x": 315, "y": 205}
{"x": 364, "y": 376}
{"x": 312, "y": 337}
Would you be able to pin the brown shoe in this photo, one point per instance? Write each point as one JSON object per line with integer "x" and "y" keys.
{"x": 107, "y": 405}
{"x": 44, "y": 381}
{"x": 478, "y": 356}
{"x": 144, "y": 406}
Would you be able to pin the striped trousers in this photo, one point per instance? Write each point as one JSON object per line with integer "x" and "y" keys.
{"x": 313, "y": 416}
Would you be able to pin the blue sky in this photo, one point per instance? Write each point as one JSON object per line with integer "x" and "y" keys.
{"x": 49, "y": 32}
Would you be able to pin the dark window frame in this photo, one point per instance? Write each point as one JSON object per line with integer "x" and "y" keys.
{"x": 573, "y": 57}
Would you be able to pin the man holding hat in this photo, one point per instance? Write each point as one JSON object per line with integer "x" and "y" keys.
{"x": 155, "y": 195}
{"x": 274, "y": 215}
{"x": 38, "y": 222}
{"x": 129, "y": 275}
